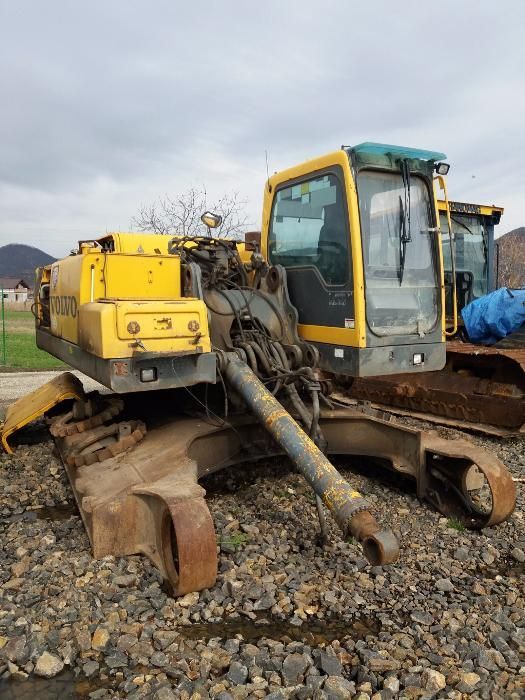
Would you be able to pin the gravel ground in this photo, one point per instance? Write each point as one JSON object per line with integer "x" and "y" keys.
{"x": 285, "y": 618}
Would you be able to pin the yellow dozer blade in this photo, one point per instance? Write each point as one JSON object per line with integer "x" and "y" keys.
{"x": 30, "y": 407}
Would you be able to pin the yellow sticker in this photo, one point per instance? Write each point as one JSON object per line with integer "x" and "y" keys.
{"x": 305, "y": 187}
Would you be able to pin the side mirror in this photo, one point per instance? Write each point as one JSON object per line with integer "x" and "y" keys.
{"x": 211, "y": 220}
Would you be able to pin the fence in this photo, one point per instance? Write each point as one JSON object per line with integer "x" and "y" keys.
{"x": 3, "y": 355}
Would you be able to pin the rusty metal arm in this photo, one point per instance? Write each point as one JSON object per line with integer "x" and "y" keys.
{"x": 349, "y": 509}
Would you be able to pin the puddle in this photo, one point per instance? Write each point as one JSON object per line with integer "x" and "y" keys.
{"x": 51, "y": 513}
{"x": 66, "y": 686}
{"x": 310, "y": 632}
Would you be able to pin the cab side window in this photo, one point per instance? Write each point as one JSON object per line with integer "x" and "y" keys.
{"x": 309, "y": 228}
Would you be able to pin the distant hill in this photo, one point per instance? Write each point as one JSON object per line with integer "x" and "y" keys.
{"x": 17, "y": 260}
{"x": 511, "y": 248}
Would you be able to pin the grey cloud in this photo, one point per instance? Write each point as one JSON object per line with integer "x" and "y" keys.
{"x": 130, "y": 93}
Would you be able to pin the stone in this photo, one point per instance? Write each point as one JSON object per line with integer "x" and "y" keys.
{"x": 237, "y": 673}
{"x": 471, "y": 678}
{"x": 365, "y": 687}
{"x": 15, "y": 650}
{"x": 444, "y": 585}
{"x": 159, "y": 658}
{"x": 294, "y": 667}
{"x": 117, "y": 660}
{"x": 265, "y": 602}
{"x": 468, "y": 683}
{"x": 462, "y": 554}
{"x": 100, "y": 639}
{"x": 188, "y": 600}
{"x": 164, "y": 693}
{"x": 432, "y": 680}
{"x": 478, "y": 589}
{"x": 125, "y": 581}
{"x": 20, "y": 568}
{"x": 421, "y": 617}
{"x": 378, "y": 664}
{"x": 486, "y": 661}
{"x": 14, "y": 584}
{"x": 338, "y": 688}
{"x": 488, "y": 557}
{"x": 48, "y": 665}
{"x": 518, "y": 554}
{"x": 329, "y": 663}
{"x": 391, "y": 683}
{"x": 83, "y": 639}
{"x": 90, "y": 668}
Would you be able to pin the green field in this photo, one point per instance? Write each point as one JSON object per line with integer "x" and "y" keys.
{"x": 21, "y": 350}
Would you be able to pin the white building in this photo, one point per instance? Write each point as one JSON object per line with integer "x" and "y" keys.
{"x": 14, "y": 289}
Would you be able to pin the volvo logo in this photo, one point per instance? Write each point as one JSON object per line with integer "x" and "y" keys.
{"x": 63, "y": 305}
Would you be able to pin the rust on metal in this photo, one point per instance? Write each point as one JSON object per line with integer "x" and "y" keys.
{"x": 102, "y": 442}
{"x": 480, "y": 386}
{"x": 84, "y": 415}
{"x": 148, "y": 500}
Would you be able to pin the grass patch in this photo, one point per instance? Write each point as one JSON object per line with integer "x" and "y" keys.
{"x": 236, "y": 540}
{"x": 455, "y": 524}
{"x": 21, "y": 350}
{"x": 19, "y": 322}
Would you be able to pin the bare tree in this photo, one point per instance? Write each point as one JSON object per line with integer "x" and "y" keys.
{"x": 181, "y": 215}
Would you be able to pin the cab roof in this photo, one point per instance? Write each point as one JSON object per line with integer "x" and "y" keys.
{"x": 386, "y": 149}
{"x": 470, "y": 208}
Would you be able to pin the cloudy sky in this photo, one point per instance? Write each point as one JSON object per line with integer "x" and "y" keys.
{"x": 106, "y": 105}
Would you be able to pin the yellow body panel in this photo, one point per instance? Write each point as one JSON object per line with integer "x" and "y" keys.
{"x": 80, "y": 279}
{"x": 440, "y": 183}
{"x": 354, "y": 337}
{"x": 37, "y": 403}
{"x": 122, "y": 295}
{"x": 121, "y": 328}
{"x": 136, "y": 243}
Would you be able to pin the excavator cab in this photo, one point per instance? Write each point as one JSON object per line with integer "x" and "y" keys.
{"x": 473, "y": 241}
{"x": 356, "y": 231}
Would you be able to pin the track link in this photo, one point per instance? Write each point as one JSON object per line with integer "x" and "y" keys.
{"x": 85, "y": 415}
{"x": 103, "y": 442}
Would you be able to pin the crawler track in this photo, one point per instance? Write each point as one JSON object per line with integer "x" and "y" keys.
{"x": 481, "y": 388}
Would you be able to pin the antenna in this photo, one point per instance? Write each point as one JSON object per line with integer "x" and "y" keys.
{"x": 267, "y": 170}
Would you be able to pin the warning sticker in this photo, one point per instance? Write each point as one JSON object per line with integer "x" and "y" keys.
{"x": 349, "y": 322}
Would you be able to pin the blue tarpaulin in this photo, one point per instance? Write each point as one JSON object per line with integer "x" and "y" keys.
{"x": 494, "y": 316}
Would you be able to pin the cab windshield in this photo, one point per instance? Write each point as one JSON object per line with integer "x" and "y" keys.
{"x": 399, "y": 253}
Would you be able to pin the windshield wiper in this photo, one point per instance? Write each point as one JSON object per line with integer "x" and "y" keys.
{"x": 405, "y": 234}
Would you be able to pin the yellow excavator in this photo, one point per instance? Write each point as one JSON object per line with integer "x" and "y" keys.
{"x": 217, "y": 353}
{"x": 481, "y": 388}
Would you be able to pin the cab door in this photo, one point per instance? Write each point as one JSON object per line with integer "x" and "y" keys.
{"x": 309, "y": 234}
